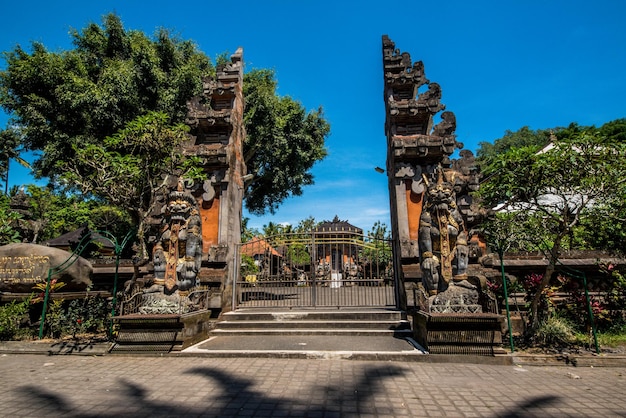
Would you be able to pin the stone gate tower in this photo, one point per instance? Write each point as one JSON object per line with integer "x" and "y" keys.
{"x": 200, "y": 221}
{"x": 217, "y": 137}
{"x": 429, "y": 193}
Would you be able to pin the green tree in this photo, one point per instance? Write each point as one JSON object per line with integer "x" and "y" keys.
{"x": 524, "y": 137}
{"x": 554, "y": 189}
{"x": 131, "y": 167}
{"x": 377, "y": 247}
{"x": 306, "y": 226}
{"x": 57, "y": 213}
{"x": 614, "y": 131}
{"x": 8, "y": 219}
{"x": 10, "y": 149}
{"x": 93, "y": 108}
{"x": 283, "y": 143}
{"x": 272, "y": 229}
{"x": 64, "y": 101}
{"x": 247, "y": 233}
{"x": 379, "y": 231}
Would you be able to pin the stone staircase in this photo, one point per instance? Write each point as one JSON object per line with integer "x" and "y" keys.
{"x": 305, "y": 333}
{"x": 348, "y": 322}
{"x": 337, "y": 333}
{"x": 290, "y": 322}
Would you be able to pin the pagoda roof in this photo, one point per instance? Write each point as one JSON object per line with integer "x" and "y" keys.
{"x": 337, "y": 225}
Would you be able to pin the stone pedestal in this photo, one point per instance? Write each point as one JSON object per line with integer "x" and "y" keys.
{"x": 469, "y": 334}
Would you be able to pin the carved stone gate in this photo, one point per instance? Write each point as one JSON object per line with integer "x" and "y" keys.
{"x": 319, "y": 269}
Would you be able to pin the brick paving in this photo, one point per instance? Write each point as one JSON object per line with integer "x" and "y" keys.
{"x": 112, "y": 386}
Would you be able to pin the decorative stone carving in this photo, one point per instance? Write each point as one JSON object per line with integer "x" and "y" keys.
{"x": 462, "y": 256}
{"x": 430, "y": 272}
{"x": 467, "y": 181}
{"x": 398, "y": 68}
{"x": 208, "y": 186}
{"x": 447, "y": 126}
{"x": 431, "y": 98}
{"x": 178, "y": 254}
{"x": 461, "y": 297}
{"x": 440, "y": 223}
{"x": 27, "y": 227}
{"x": 405, "y": 171}
{"x": 432, "y": 216}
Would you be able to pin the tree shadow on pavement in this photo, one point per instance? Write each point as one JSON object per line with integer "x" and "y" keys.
{"x": 339, "y": 399}
{"x": 46, "y": 402}
{"x": 530, "y": 407}
{"x": 237, "y": 397}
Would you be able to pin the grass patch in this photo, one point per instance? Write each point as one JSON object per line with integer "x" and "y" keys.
{"x": 612, "y": 340}
{"x": 614, "y": 337}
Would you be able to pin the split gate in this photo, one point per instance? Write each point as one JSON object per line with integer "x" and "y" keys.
{"x": 315, "y": 270}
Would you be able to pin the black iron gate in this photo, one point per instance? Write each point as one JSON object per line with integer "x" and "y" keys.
{"x": 314, "y": 270}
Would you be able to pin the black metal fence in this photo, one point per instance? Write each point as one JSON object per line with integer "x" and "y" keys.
{"x": 315, "y": 270}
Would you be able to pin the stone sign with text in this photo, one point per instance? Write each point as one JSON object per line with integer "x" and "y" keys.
{"x": 24, "y": 265}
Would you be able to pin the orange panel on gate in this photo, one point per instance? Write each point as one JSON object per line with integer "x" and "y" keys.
{"x": 210, "y": 214}
{"x": 414, "y": 210}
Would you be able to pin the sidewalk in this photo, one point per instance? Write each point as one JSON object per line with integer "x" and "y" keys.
{"x": 344, "y": 349}
{"x": 111, "y": 386}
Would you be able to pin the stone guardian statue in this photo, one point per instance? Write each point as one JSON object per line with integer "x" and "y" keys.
{"x": 178, "y": 254}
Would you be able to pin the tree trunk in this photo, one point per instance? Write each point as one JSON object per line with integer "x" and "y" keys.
{"x": 141, "y": 250}
{"x": 550, "y": 269}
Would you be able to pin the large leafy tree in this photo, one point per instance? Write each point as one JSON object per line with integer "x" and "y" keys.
{"x": 67, "y": 100}
{"x": 283, "y": 143}
{"x": 512, "y": 139}
{"x": 57, "y": 213}
{"x": 131, "y": 167}
{"x": 557, "y": 190}
{"x": 107, "y": 116}
{"x": 614, "y": 130}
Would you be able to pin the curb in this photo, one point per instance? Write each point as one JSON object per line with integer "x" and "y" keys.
{"x": 102, "y": 349}
{"x": 601, "y": 360}
{"x": 55, "y": 348}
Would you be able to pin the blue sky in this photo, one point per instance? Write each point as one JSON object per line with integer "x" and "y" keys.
{"x": 502, "y": 65}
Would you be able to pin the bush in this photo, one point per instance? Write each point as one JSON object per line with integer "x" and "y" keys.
{"x": 80, "y": 316}
{"x": 12, "y": 315}
{"x": 55, "y": 319}
{"x": 554, "y": 331}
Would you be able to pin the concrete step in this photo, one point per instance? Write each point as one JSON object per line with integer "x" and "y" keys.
{"x": 314, "y": 314}
{"x": 400, "y": 356}
{"x": 304, "y": 346}
{"x": 313, "y": 324}
{"x": 347, "y": 332}
{"x": 323, "y": 322}
{"x": 306, "y": 333}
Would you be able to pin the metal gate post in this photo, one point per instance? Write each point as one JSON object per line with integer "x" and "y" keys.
{"x": 313, "y": 270}
{"x": 395, "y": 248}
{"x": 235, "y": 275}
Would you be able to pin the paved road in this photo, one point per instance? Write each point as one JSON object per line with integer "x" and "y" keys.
{"x": 112, "y": 386}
